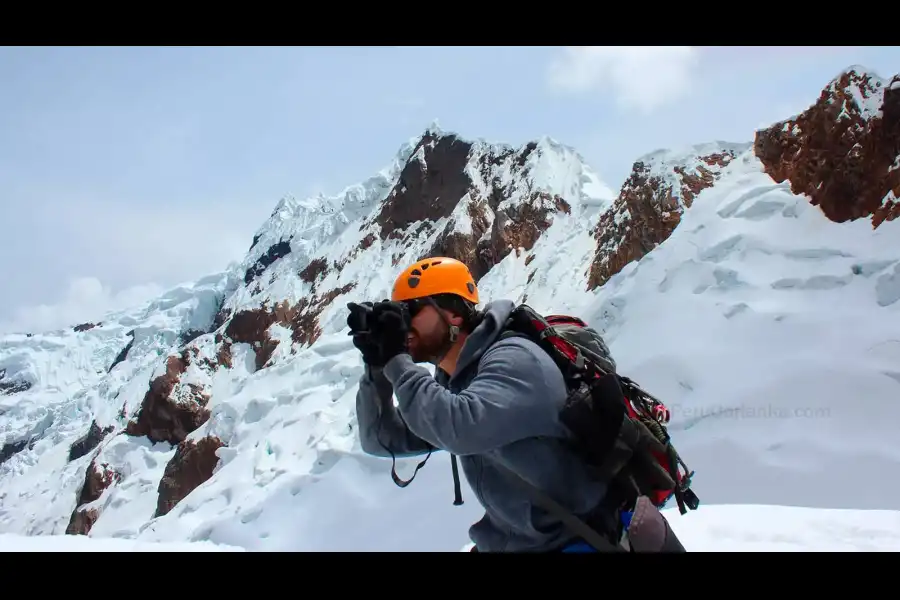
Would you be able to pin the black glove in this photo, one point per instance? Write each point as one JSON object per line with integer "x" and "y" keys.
{"x": 389, "y": 324}
{"x": 359, "y": 319}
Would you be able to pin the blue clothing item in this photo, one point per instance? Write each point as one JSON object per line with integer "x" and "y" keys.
{"x": 582, "y": 547}
{"x": 579, "y": 548}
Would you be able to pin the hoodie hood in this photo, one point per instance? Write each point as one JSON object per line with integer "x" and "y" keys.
{"x": 486, "y": 333}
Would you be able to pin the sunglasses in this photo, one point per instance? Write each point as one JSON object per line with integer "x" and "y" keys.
{"x": 415, "y": 306}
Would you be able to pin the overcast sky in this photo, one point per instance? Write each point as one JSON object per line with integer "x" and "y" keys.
{"x": 126, "y": 170}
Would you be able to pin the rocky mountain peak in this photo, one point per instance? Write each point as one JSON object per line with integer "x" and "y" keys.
{"x": 662, "y": 185}
{"x": 843, "y": 152}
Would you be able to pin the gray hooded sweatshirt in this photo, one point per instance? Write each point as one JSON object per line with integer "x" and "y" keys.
{"x": 502, "y": 407}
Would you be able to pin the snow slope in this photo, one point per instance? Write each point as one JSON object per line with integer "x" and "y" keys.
{"x": 770, "y": 331}
{"x": 774, "y": 335}
{"x": 74, "y": 379}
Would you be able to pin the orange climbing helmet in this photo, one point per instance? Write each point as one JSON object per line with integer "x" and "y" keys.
{"x": 432, "y": 276}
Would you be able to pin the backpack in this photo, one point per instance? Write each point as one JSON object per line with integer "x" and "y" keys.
{"x": 619, "y": 428}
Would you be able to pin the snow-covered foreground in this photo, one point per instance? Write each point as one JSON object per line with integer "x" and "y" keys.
{"x": 772, "y": 333}
{"x": 723, "y": 528}
{"x": 760, "y": 528}
{"x": 10, "y": 542}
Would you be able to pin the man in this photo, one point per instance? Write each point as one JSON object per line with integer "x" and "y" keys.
{"x": 491, "y": 402}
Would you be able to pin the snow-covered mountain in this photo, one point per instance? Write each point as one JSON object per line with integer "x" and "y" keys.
{"x": 753, "y": 286}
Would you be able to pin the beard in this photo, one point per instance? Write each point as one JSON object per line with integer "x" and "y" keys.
{"x": 430, "y": 349}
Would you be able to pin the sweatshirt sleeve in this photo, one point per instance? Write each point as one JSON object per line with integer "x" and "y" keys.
{"x": 380, "y": 427}
{"x": 516, "y": 394}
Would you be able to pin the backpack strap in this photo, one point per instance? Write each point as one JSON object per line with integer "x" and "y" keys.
{"x": 570, "y": 520}
{"x": 577, "y": 526}
{"x": 508, "y": 333}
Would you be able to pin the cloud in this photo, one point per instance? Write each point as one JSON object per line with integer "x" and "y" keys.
{"x": 123, "y": 242}
{"x": 639, "y": 77}
{"x": 85, "y": 299}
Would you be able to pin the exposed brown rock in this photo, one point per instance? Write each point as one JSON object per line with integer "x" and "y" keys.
{"x": 694, "y": 183}
{"x": 81, "y": 521}
{"x": 462, "y": 246}
{"x": 305, "y": 321}
{"x": 518, "y": 225}
{"x": 647, "y": 210}
{"x": 221, "y": 359}
{"x": 845, "y": 160}
{"x": 170, "y": 410}
{"x": 428, "y": 188}
{"x": 223, "y": 355}
{"x": 251, "y": 326}
{"x": 97, "y": 478}
{"x": 192, "y": 464}
{"x": 366, "y": 242}
{"x": 314, "y": 270}
{"x": 90, "y": 440}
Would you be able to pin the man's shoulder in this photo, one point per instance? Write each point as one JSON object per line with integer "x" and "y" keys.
{"x": 521, "y": 359}
{"x": 520, "y": 351}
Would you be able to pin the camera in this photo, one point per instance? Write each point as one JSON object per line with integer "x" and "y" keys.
{"x": 359, "y": 318}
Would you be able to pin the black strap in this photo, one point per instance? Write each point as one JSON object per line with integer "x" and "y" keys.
{"x": 397, "y": 480}
{"x": 572, "y": 522}
{"x": 400, "y": 482}
{"x": 457, "y": 490}
{"x": 509, "y": 333}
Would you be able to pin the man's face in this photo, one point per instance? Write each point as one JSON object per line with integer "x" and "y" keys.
{"x": 428, "y": 334}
